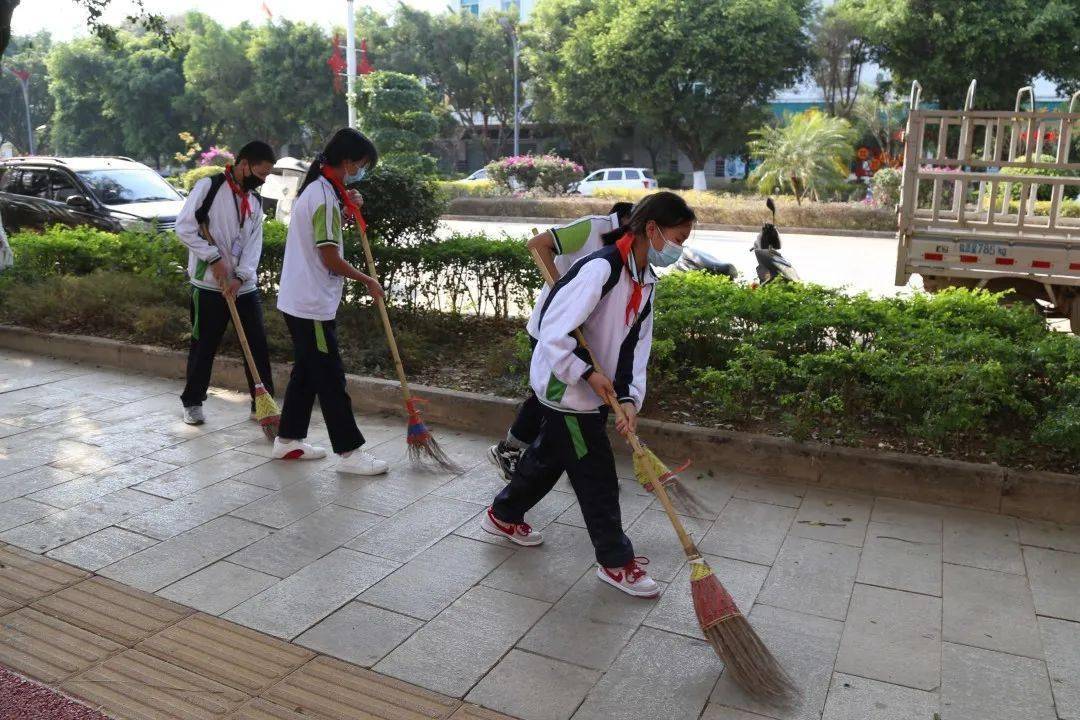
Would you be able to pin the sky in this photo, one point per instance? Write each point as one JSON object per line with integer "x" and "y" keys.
{"x": 64, "y": 21}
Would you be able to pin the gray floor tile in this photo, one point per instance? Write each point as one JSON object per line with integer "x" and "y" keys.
{"x": 894, "y": 637}
{"x": 288, "y": 550}
{"x": 206, "y": 446}
{"x": 806, "y": 646}
{"x": 988, "y": 685}
{"x": 658, "y": 675}
{"x": 720, "y": 712}
{"x": 856, "y": 698}
{"x": 547, "y": 571}
{"x": 294, "y": 604}
{"x": 1061, "y": 641}
{"x": 532, "y": 687}
{"x": 1055, "y": 536}
{"x": 833, "y": 516}
{"x": 708, "y": 495}
{"x": 104, "y": 547}
{"x": 19, "y": 511}
{"x": 675, "y": 610}
{"x": 192, "y": 510}
{"x": 427, "y": 584}
{"x": 186, "y": 480}
{"x": 748, "y": 531}
{"x": 453, "y": 651}
{"x": 32, "y": 480}
{"x": 654, "y": 538}
{"x": 990, "y": 610}
{"x": 902, "y": 557}
{"x": 913, "y": 515}
{"x": 296, "y": 501}
{"x": 178, "y": 557}
{"x": 478, "y": 486}
{"x": 414, "y": 529}
{"x": 218, "y": 588}
{"x": 360, "y": 634}
{"x": 982, "y": 540}
{"x": 589, "y": 626}
{"x": 102, "y": 483}
{"x": 66, "y": 526}
{"x": 281, "y": 474}
{"x": 812, "y": 577}
{"x": 1055, "y": 582}
{"x": 391, "y": 493}
{"x": 771, "y": 491}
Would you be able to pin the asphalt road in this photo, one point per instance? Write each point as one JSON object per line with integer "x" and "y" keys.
{"x": 858, "y": 264}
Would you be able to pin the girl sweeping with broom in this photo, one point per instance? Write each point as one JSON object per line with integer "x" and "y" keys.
{"x": 609, "y": 295}
{"x": 312, "y": 279}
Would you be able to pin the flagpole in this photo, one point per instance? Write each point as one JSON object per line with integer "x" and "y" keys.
{"x": 350, "y": 52}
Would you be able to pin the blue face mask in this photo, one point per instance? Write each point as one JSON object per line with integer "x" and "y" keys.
{"x": 356, "y": 176}
{"x": 668, "y": 256}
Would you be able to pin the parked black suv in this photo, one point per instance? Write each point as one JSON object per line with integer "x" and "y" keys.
{"x": 105, "y": 192}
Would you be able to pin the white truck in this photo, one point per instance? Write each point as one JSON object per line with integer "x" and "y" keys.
{"x": 989, "y": 199}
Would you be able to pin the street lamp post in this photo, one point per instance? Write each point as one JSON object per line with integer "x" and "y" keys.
{"x": 350, "y": 52}
{"x": 512, "y": 32}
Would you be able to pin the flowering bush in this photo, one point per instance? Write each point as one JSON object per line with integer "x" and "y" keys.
{"x": 886, "y": 186}
{"x": 549, "y": 174}
{"x": 217, "y": 156}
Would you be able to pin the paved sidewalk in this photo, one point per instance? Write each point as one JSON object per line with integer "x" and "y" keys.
{"x": 881, "y": 609}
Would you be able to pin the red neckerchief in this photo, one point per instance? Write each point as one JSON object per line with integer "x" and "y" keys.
{"x": 351, "y": 208}
{"x": 245, "y": 204}
{"x": 634, "y": 303}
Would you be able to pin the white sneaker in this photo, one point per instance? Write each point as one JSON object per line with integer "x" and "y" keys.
{"x": 517, "y": 533}
{"x": 296, "y": 450}
{"x": 194, "y": 415}
{"x": 361, "y": 462}
{"x": 631, "y": 579}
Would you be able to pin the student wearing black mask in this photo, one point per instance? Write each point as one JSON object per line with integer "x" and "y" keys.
{"x": 230, "y": 207}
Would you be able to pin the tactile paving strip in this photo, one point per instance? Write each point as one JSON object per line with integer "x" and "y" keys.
{"x": 259, "y": 709}
{"x": 473, "y": 712}
{"x": 25, "y": 577}
{"x": 111, "y": 610}
{"x": 136, "y": 686}
{"x": 226, "y": 652}
{"x": 48, "y": 649}
{"x": 334, "y": 690}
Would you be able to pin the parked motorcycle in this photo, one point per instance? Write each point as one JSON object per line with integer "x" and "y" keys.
{"x": 771, "y": 264}
{"x": 694, "y": 258}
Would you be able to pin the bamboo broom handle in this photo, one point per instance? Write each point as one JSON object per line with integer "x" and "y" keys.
{"x": 240, "y": 334}
{"x": 658, "y": 488}
{"x": 385, "y": 319}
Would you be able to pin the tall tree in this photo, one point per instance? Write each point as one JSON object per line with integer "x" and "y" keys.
{"x": 26, "y": 53}
{"x": 399, "y": 115}
{"x": 945, "y": 43}
{"x": 700, "y": 69}
{"x": 217, "y": 78}
{"x": 291, "y": 98}
{"x": 78, "y": 71}
{"x": 838, "y": 42}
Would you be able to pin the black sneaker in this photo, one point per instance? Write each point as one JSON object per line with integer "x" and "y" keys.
{"x": 505, "y": 458}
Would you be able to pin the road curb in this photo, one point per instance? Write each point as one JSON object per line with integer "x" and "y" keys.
{"x": 541, "y": 222}
{"x": 1034, "y": 494}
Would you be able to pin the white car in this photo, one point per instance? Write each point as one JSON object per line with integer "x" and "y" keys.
{"x": 480, "y": 174}
{"x": 617, "y": 179}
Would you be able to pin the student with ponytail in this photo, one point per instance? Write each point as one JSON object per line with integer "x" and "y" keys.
{"x": 312, "y": 280}
{"x": 609, "y": 295}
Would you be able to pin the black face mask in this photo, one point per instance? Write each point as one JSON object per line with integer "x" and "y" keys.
{"x": 252, "y": 183}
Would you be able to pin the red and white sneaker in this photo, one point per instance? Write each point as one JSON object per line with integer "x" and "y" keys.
{"x": 296, "y": 450}
{"x": 631, "y": 578}
{"x": 519, "y": 533}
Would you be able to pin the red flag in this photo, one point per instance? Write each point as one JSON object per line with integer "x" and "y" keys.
{"x": 266, "y": 9}
{"x": 23, "y": 75}
{"x": 365, "y": 66}
{"x": 337, "y": 63}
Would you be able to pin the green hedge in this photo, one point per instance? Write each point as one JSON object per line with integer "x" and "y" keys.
{"x": 462, "y": 274}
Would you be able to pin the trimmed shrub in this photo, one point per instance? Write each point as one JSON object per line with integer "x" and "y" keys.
{"x": 886, "y": 187}
{"x": 188, "y": 179}
{"x": 670, "y": 180}
{"x": 548, "y": 174}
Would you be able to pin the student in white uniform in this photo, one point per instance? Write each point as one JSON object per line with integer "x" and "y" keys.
{"x": 230, "y": 207}
{"x": 609, "y": 295}
{"x": 559, "y": 248}
{"x": 312, "y": 279}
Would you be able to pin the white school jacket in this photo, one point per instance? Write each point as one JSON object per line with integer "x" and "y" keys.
{"x": 241, "y": 246}
{"x": 595, "y": 295}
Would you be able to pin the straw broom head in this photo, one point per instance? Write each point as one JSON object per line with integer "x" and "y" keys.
{"x": 267, "y": 412}
{"x": 648, "y": 468}
{"x": 423, "y": 448}
{"x": 750, "y": 663}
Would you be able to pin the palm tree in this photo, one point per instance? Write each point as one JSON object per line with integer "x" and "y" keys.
{"x": 806, "y": 155}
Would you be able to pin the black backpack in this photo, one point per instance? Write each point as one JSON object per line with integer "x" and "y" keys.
{"x": 202, "y": 215}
